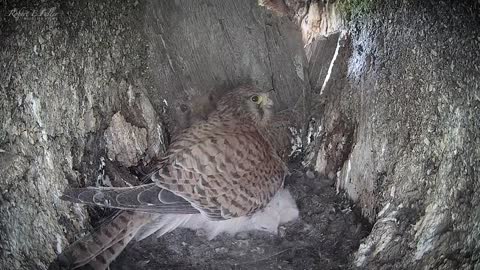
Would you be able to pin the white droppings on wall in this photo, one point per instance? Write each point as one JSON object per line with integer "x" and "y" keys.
{"x": 59, "y": 243}
{"x": 346, "y": 178}
{"x": 298, "y": 63}
{"x": 296, "y": 141}
{"x": 335, "y": 55}
{"x": 384, "y": 209}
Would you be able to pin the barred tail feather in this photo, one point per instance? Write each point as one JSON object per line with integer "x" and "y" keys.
{"x": 102, "y": 246}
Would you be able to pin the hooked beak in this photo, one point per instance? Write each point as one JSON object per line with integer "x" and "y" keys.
{"x": 266, "y": 101}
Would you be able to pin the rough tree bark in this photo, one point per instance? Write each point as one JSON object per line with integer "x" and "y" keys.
{"x": 399, "y": 126}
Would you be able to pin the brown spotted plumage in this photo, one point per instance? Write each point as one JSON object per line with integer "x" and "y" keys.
{"x": 98, "y": 249}
{"x": 221, "y": 168}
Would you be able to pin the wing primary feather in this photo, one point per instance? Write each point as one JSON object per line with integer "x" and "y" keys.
{"x": 145, "y": 198}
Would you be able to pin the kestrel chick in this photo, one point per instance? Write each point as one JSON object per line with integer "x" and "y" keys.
{"x": 216, "y": 174}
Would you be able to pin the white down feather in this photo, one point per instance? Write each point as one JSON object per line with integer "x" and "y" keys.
{"x": 280, "y": 210}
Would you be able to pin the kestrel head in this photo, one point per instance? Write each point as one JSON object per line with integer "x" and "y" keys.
{"x": 247, "y": 103}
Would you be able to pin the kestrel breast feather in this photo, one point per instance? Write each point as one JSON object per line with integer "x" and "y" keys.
{"x": 225, "y": 166}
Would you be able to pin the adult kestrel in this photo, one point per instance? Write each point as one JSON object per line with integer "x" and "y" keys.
{"x": 222, "y": 174}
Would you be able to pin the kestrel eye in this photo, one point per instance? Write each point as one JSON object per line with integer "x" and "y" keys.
{"x": 255, "y": 99}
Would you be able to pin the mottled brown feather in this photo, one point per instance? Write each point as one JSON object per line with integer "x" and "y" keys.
{"x": 227, "y": 158}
